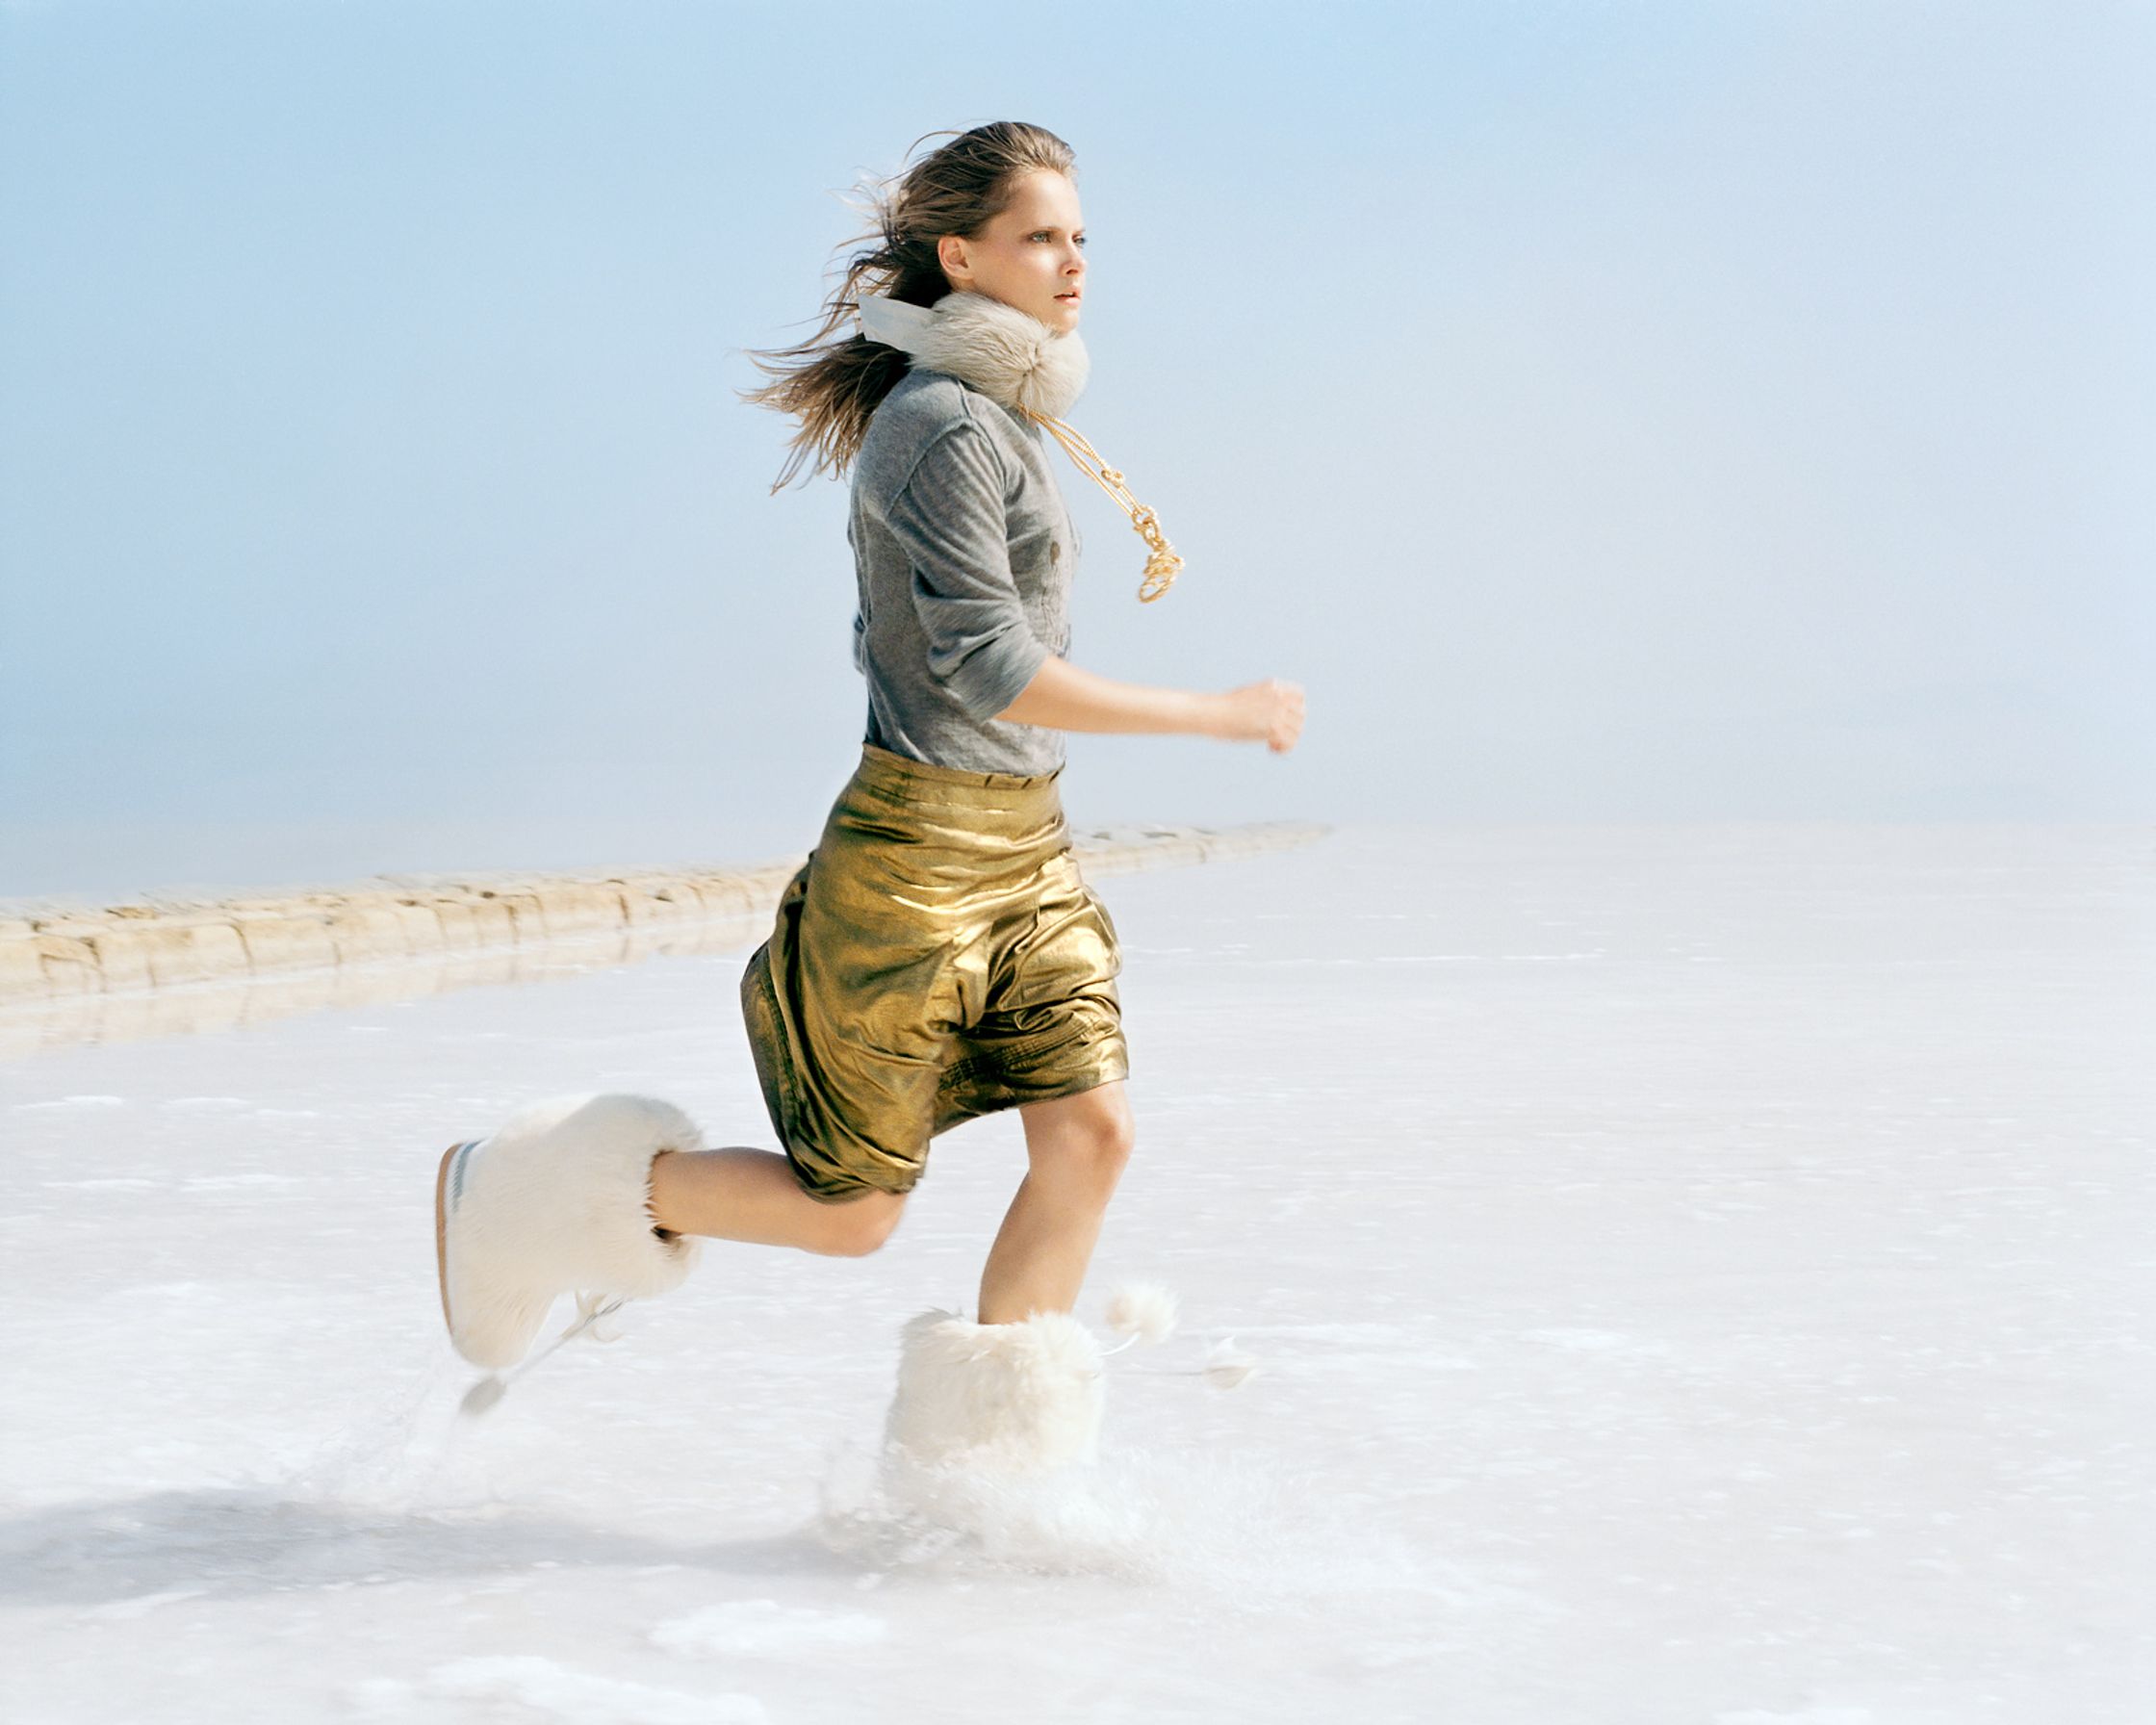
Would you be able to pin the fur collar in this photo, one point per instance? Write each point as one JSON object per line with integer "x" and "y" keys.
{"x": 1008, "y": 354}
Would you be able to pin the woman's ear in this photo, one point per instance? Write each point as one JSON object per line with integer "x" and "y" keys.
{"x": 950, "y": 252}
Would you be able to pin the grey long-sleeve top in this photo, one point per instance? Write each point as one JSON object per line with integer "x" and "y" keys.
{"x": 962, "y": 551}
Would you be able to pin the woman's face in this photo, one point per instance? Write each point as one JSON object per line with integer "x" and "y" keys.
{"x": 1032, "y": 256}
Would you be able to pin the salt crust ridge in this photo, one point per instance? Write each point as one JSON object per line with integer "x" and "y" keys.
{"x": 162, "y": 966}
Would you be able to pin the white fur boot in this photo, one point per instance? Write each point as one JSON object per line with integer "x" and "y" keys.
{"x": 1010, "y": 1398}
{"x": 557, "y": 1202}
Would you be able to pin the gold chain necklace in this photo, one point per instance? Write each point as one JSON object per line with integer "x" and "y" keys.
{"x": 1163, "y": 564}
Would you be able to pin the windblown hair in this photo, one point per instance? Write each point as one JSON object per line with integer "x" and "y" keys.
{"x": 834, "y": 386}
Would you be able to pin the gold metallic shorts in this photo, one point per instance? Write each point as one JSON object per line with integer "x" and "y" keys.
{"x": 936, "y": 958}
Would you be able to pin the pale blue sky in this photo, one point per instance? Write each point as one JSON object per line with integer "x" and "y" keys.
{"x": 1642, "y": 412}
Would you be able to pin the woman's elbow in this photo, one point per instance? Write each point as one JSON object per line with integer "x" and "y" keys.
{"x": 1010, "y": 689}
{"x": 1022, "y": 709}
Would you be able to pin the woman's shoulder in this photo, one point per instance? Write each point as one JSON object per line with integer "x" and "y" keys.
{"x": 922, "y": 407}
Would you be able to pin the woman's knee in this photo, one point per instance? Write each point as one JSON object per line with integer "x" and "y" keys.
{"x": 860, "y": 1226}
{"x": 1117, "y": 1138}
{"x": 1095, "y": 1147}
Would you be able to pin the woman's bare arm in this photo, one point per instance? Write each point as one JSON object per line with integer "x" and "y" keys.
{"x": 1062, "y": 697}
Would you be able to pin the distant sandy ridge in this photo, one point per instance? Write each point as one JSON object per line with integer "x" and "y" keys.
{"x": 160, "y": 966}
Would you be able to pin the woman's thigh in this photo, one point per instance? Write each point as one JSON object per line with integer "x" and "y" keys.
{"x": 1052, "y": 1025}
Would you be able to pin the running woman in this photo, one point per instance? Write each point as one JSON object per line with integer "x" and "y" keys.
{"x": 937, "y": 957}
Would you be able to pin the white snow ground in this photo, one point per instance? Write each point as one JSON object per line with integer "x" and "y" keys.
{"x": 1699, "y": 1275}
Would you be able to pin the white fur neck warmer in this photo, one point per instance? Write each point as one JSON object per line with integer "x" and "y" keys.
{"x": 1008, "y": 354}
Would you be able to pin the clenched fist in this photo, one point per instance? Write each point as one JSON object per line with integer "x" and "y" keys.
{"x": 1268, "y": 711}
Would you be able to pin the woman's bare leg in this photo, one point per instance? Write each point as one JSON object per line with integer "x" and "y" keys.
{"x": 752, "y": 1196}
{"x": 1075, "y": 1150}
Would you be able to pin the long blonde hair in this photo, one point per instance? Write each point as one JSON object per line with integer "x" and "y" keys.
{"x": 834, "y": 386}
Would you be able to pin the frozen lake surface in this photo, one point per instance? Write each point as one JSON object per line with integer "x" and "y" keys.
{"x": 1698, "y": 1275}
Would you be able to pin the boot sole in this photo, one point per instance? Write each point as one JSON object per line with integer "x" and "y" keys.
{"x": 441, "y": 1235}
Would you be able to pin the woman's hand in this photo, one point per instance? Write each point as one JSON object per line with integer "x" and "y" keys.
{"x": 1269, "y": 712}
